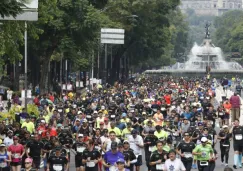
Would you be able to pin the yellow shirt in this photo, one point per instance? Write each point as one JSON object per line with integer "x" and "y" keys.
{"x": 116, "y": 130}
{"x": 125, "y": 120}
{"x": 70, "y": 95}
{"x": 30, "y": 126}
{"x": 47, "y": 118}
{"x": 146, "y": 121}
{"x": 162, "y": 134}
{"x": 98, "y": 120}
{"x": 126, "y": 133}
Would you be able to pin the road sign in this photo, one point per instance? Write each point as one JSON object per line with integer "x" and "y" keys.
{"x": 112, "y": 36}
{"x": 29, "y": 12}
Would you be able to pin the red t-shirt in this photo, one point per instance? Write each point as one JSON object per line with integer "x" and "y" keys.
{"x": 167, "y": 99}
{"x": 16, "y": 151}
{"x": 51, "y": 98}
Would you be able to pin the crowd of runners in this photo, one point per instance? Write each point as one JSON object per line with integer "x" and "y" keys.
{"x": 171, "y": 120}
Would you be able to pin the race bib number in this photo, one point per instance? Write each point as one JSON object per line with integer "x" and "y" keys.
{"x": 151, "y": 148}
{"x": 221, "y": 113}
{"x": 57, "y": 167}
{"x": 88, "y": 116}
{"x": 16, "y": 155}
{"x": 59, "y": 110}
{"x": 188, "y": 155}
{"x": 204, "y": 154}
{"x": 203, "y": 163}
{"x": 80, "y": 149}
{"x": 113, "y": 116}
{"x": 112, "y": 168}
{"x": 163, "y": 109}
{"x": 159, "y": 166}
{"x": 2, "y": 165}
{"x": 225, "y": 145}
{"x": 90, "y": 164}
{"x": 238, "y": 137}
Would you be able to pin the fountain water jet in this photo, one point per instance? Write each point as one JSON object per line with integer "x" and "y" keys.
{"x": 200, "y": 57}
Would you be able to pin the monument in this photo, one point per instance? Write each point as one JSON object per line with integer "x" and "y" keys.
{"x": 202, "y": 58}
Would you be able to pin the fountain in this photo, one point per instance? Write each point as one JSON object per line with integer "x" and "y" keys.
{"x": 201, "y": 57}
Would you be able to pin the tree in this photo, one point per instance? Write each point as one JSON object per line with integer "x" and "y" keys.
{"x": 147, "y": 30}
{"x": 11, "y": 7}
{"x": 66, "y": 27}
{"x": 229, "y": 34}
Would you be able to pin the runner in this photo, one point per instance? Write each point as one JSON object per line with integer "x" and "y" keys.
{"x": 184, "y": 149}
{"x": 173, "y": 163}
{"x": 204, "y": 153}
{"x": 17, "y": 151}
{"x": 237, "y": 132}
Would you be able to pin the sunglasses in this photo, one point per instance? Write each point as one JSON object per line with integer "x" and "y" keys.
{"x": 27, "y": 163}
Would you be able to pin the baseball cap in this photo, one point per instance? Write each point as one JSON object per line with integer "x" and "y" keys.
{"x": 80, "y": 135}
{"x": 114, "y": 145}
{"x": 59, "y": 125}
{"x": 28, "y": 160}
{"x": 79, "y": 112}
{"x": 15, "y": 138}
{"x": 2, "y": 145}
{"x": 225, "y": 126}
{"x": 124, "y": 115}
{"x": 120, "y": 160}
{"x": 200, "y": 124}
{"x": 186, "y": 134}
{"x": 204, "y": 139}
{"x": 134, "y": 131}
{"x": 85, "y": 120}
{"x": 125, "y": 141}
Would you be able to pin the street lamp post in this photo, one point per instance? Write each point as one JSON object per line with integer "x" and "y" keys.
{"x": 25, "y": 73}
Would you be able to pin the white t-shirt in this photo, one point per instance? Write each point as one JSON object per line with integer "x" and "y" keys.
{"x": 8, "y": 141}
{"x": 175, "y": 165}
{"x": 133, "y": 144}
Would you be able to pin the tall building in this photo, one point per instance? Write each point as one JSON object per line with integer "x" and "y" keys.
{"x": 210, "y": 7}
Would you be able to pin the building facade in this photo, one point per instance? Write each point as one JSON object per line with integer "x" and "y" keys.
{"x": 211, "y": 7}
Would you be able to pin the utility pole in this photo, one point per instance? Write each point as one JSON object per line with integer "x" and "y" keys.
{"x": 66, "y": 65}
{"x": 61, "y": 75}
{"x": 106, "y": 68}
{"x": 25, "y": 63}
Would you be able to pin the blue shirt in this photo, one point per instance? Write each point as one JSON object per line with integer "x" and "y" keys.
{"x": 111, "y": 158}
{"x": 187, "y": 115}
{"x": 121, "y": 126}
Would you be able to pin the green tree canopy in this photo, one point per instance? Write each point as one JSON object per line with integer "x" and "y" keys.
{"x": 229, "y": 32}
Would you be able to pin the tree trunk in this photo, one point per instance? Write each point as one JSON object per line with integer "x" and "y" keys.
{"x": 44, "y": 76}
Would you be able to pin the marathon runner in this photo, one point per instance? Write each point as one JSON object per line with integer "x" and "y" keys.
{"x": 146, "y": 115}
